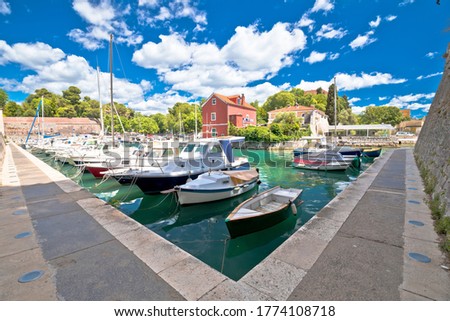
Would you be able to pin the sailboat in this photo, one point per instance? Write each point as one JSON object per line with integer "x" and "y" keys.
{"x": 105, "y": 158}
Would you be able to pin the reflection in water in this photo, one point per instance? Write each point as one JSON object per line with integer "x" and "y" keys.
{"x": 200, "y": 229}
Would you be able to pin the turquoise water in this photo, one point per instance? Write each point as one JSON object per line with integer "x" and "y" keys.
{"x": 201, "y": 230}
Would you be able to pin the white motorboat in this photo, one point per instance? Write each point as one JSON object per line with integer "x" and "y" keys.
{"x": 217, "y": 185}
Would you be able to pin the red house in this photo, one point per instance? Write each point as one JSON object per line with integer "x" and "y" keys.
{"x": 218, "y": 110}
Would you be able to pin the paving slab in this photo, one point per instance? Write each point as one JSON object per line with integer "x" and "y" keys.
{"x": 352, "y": 268}
{"x": 110, "y": 272}
{"x": 66, "y": 233}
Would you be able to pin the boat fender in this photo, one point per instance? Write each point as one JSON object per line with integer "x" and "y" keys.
{"x": 293, "y": 208}
{"x": 189, "y": 180}
{"x": 258, "y": 182}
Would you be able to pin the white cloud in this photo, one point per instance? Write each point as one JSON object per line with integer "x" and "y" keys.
{"x": 103, "y": 19}
{"x": 325, "y": 5}
{"x": 315, "y": 57}
{"x": 352, "y": 82}
{"x": 148, "y": 3}
{"x": 413, "y": 101}
{"x": 382, "y": 98}
{"x": 407, "y": 101}
{"x": 4, "y": 7}
{"x": 429, "y": 76}
{"x": 99, "y": 15}
{"x": 201, "y": 68}
{"x": 169, "y": 10}
{"x": 312, "y": 85}
{"x": 53, "y": 69}
{"x": 405, "y": 3}
{"x": 268, "y": 51}
{"x": 327, "y": 31}
{"x": 375, "y": 23}
{"x": 29, "y": 55}
{"x": 390, "y": 18}
{"x": 358, "y": 110}
{"x": 159, "y": 103}
{"x": 354, "y": 100}
{"x": 305, "y": 21}
{"x": 349, "y": 82}
{"x": 416, "y": 106}
{"x": 431, "y": 55}
{"x": 362, "y": 40}
{"x": 172, "y": 51}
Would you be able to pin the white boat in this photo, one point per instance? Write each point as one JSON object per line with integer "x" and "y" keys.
{"x": 322, "y": 161}
{"x": 157, "y": 153}
{"x": 263, "y": 210}
{"x": 217, "y": 185}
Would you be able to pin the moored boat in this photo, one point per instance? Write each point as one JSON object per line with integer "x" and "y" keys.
{"x": 322, "y": 161}
{"x": 263, "y": 210}
{"x": 217, "y": 185}
{"x": 194, "y": 159}
{"x": 371, "y": 152}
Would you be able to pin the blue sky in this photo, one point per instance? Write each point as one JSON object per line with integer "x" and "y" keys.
{"x": 382, "y": 52}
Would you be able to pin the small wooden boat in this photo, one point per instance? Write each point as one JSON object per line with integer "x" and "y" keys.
{"x": 217, "y": 185}
{"x": 371, "y": 152}
{"x": 263, "y": 210}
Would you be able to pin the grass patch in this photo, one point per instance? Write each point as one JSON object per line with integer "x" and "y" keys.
{"x": 441, "y": 222}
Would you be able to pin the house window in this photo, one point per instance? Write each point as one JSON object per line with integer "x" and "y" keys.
{"x": 213, "y": 101}
{"x": 213, "y": 132}
{"x": 213, "y": 116}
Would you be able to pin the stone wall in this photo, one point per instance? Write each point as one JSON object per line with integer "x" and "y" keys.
{"x": 17, "y": 128}
{"x": 432, "y": 149}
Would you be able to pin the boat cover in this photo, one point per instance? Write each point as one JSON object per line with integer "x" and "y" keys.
{"x": 240, "y": 177}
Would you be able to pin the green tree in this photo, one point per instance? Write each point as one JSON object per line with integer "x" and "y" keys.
{"x": 346, "y": 117}
{"x": 329, "y": 108}
{"x": 381, "y": 115}
{"x": 261, "y": 114}
{"x": 3, "y": 98}
{"x": 144, "y": 125}
{"x": 184, "y": 114}
{"x": 279, "y": 100}
{"x": 67, "y": 111}
{"x": 72, "y": 95}
{"x": 12, "y": 109}
{"x": 161, "y": 121}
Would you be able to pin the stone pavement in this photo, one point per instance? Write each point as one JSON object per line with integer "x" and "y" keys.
{"x": 80, "y": 259}
{"x": 369, "y": 257}
{"x": 357, "y": 248}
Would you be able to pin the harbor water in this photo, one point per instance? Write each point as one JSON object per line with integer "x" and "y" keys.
{"x": 200, "y": 229}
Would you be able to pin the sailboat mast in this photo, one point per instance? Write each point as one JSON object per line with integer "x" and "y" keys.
{"x": 43, "y": 130}
{"x": 102, "y": 124}
{"x": 195, "y": 133}
{"x": 335, "y": 116}
{"x": 111, "y": 79}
